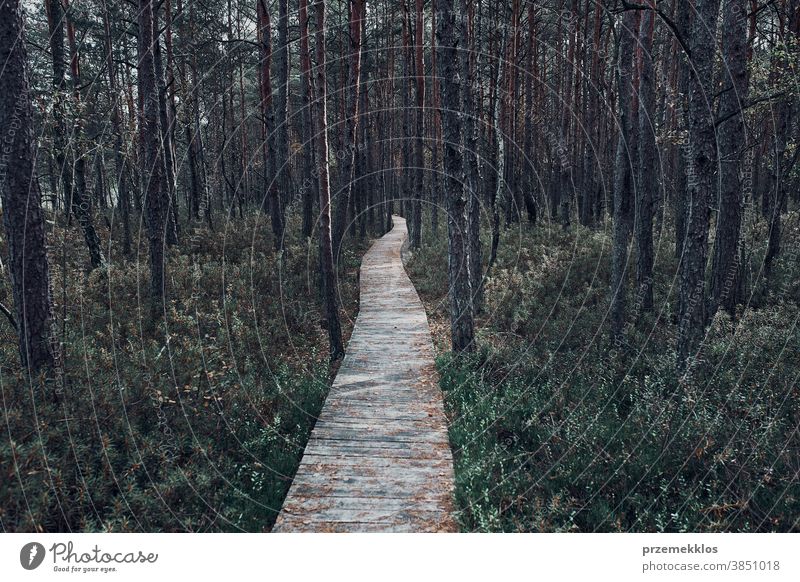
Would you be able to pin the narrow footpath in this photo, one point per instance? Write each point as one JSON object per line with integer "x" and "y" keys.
{"x": 378, "y": 459}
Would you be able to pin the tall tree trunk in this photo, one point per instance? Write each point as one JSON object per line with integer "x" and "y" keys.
{"x": 623, "y": 173}
{"x": 461, "y": 316}
{"x": 684, "y": 21}
{"x": 726, "y": 268}
{"x": 529, "y": 154}
{"x": 325, "y": 238}
{"x": 702, "y": 160}
{"x": 268, "y": 113}
{"x": 496, "y": 154}
{"x": 648, "y": 167}
{"x": 123, "y": 196}
{"x": 407, "y": 178}
{"x": 167, "y": 146}
{"x": 154, "y": 188}
{"x": 781, "y": 163}
{"x": 22, "y": 207}
{"x": 79, "y": 198}
{"x": 470, "y": 159}
{"x": 346, "y": 173}
{"x": 419, "y": 158}
{"x": 64, "y": 174}
{"x": 309, "y": 189}
{"x": 282, "y": 107}
{"x": 435, "y": 131}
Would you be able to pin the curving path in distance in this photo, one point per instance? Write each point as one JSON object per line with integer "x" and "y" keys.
{"x": 378, "y": 458}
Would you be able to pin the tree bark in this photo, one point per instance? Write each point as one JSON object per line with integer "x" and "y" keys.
{"x": 346, "y": 172}
{"x": 78, "y": 198}
{"x": 419, "y": 158}
{"x": 726, "y": 267}
{"x": 781, "y": 163}
{"x": 22, "y": 209}
{"x": 461, "y": 315}
{"x": 701, "y": 162}
{"x": 120, "y": 162}
{"x": 282, "y": 108}
{"x": 309, "y": 187}
{"x": 154, "y": 188}
{"x": 436, "y": 131}
{"x": 470, "y": 159}
{"x": 648, "y": 166}
{"x": 623, "y": 173}
{"x": 326, "y": 245}
{"x": 268, "y": 113}
{"x": 681, "y": 187}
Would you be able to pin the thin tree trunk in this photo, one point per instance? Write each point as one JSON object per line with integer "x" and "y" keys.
{"x": 325, "y": 241}
{"x": 167, "y": 147}
{"x": 681, "y": 189}
{"x": 648, "y": 177}
{"x": 309, "y": 188}
{"x": 419, "y": 158}
{"x": 268, "y": 113}
{"x": 470, "y": 160}
{"x": 781, "y": 163}
{"x": 282, "y": 108}
{"x": 530, "y": 75}
{"x": 436, "y": 131}
{"x": 123, "y": 196}
{"x": 79, "y": 198}
{"x": 623, "y": 173}
{"x": 346, "y": 173}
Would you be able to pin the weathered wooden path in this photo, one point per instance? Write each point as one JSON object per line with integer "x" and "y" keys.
{"x": 378, "y": 458}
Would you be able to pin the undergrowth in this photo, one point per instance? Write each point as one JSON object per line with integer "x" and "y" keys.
{"x": 196, "y": 424}
{"x": 554, "y": 428}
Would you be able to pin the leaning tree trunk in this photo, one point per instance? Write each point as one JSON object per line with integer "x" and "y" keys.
{"x": 701, "y": 162}
{"x": 325, "y": 238}
{"x": 22, "y": 208}
{"x": 154, "y": 188}
{"x": 461, "y": 317}
{"x": 726, "y": 267}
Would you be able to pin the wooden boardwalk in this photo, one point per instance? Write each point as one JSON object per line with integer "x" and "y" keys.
{"x": 378, "y": 459}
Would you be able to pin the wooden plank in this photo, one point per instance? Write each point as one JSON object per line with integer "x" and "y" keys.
{"x": 379, "y": 458}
